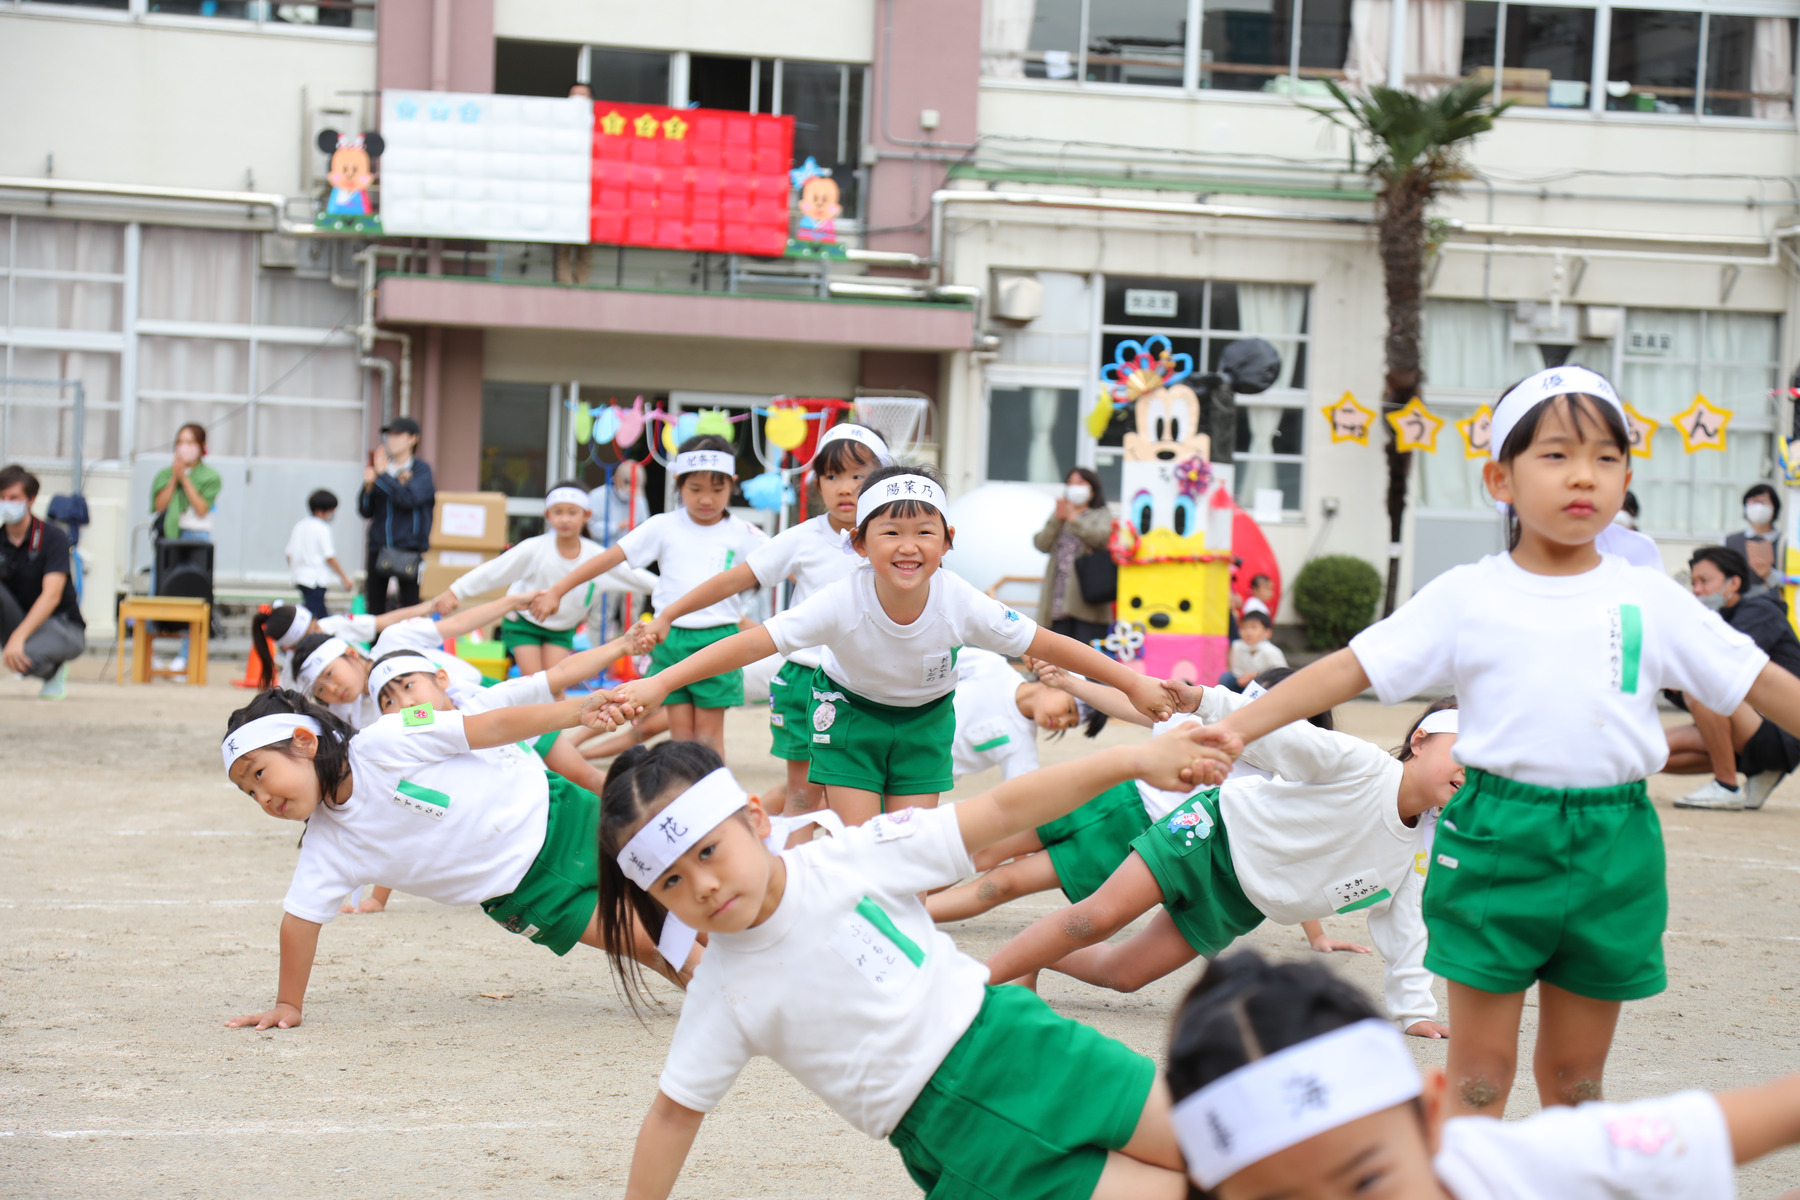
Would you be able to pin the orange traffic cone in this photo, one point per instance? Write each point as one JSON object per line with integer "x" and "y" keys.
{"x": 253, "y": 676}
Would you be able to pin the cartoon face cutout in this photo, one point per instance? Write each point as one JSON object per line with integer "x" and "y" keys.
{"x": 819, "y": 199}
{"x": 1168, "y": 427}
{"x": 351, "y": 170}
{"x": 1174, "y": 597}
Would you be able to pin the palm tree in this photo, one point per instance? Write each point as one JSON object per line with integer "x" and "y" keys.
{"x": 1418, "y": 143}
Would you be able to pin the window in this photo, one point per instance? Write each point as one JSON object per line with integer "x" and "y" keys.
{"x": 343, "y": 14}
{"x": 1031, "y": 433}
{"x": 1543, "y": 55}
{"x": 1137, "y": 41}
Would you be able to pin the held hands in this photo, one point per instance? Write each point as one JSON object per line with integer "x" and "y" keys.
{"x": 446, "y": 603}
{"x": 1049, "y": 674}
{"x": 630, "y": 701}
{"x": 282, "y": 1016}
{"x": 1183, "y": 695}
{"x": 523, "y": 600}
{"x": 1150, "y": 697}
{"x": 545, "y": 603}
{"x": 645, "y": 635}
{"x": 1175, "y": 760}
{"x": 1226, "y": 745}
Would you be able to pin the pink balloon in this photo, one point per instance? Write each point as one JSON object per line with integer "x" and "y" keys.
{"x": 631, "y": 424}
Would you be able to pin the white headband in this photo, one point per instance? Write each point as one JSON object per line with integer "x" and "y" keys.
{"x": 296, "y": 631}
{"x": 703, "y": 460}
{"x": 865, "y": 437}
{"x": 1441, "y": 721}
{"x": 264, "y": 731}
{"x": 383, "y": 672}
{"x": 566, "y": 495}
{"x": 688, "y": 818}
{"x": 1266, "y": 1106}
{"x": 899, "y": 487}
{"x": 329, "y": 652}
{"x": 1556, "y": 381}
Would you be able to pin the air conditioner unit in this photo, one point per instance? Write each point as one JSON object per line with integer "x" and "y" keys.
{"x": 1018, "y": 298}
{"x": 278, "y": 251}
{"x": 1600, "y": 323}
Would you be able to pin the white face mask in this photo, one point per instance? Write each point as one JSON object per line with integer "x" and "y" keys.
{"x": 187, "y": 452}
{"x": 13, "y": 511}
{"x": 1078, "y": 493}
{"x": 1713, "y": 600}
{"x": 1759, "y": 512}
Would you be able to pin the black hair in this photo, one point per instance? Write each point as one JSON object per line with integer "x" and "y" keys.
{"x": 1096, "y": 489}
{"x": 1274, "y": 675}
{"x": 844, "y": 454}
{"x": 268, "y": 627}
{"x": 1577, "y": 409}
{"x": 1405, "y": 751}
{"x": 332, "y": 762}
{"x": 13, "y": 473}
{"x": 1096, "y": 721}
{"x": 1630, "y": 507}
{"x": 308, "y": 644}
{"x": 635, "y": 782}
{"x": 705, "y": 441}
{"x": 1257, "y": 615}
{"x": 322, "y": 501}
{"x": 1258, "y": 578}
{"x": 402, "y": 653}
{"x": 1730, "y": 563}
{"x": 1763, "y": 489}
{"x": 901, "y": 509}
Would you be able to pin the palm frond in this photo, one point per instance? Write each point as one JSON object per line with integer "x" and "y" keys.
{"x": 1409, "y": 133}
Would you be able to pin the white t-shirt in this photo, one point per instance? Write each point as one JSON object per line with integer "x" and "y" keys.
{"x": 420, "y": 635}
{"x": 687, "y": 554}
{"x": 533, "y": 565}
{"x": 1248, "y": 660}
{"x": 426, "y": 816}
{"x": 990, "y": 729}
{"x": 1670, "y": 1148}
{"x": 815, "y": 555}
{"x": 902, "y": 665}
{"x": 309, "y": 547}
{"x": 824, "y": 987}
{"x": 358, "y": 628}
{"x": 1556, "y": 676}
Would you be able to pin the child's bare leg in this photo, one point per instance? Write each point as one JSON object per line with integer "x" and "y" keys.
{"x": 919, "y": 800}
{"x": 643, "y": 948}
{"x": 374, "y": 902}
{"x": 802, "y": 796}
{"x": 1575, "y": 1033}
{"x": 1158, "y": 950}
{"x": 1129, "y": 894}
{"x": 774, "y": 800}
{"x": 1005, "y": 882}
{"x": 529, "y": 659}
{"x": 549, "y": 655}
{"x": 1150, "y": 1165}
{"x": 681, "y": 721}
{"x": 1016, "y": 846}
{"x": 1484, "y": 1054}
{"x": 709, "y": 729}
{"x": 853, "y": 805}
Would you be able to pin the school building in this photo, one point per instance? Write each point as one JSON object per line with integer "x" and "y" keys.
{"x": 1025, "y": 184}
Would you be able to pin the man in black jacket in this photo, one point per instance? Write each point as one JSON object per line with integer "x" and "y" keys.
{"x": 397, "y": 498}
{"x": 1743, "y": 741}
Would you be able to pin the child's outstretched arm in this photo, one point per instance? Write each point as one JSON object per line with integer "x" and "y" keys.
{"x": 589, "y": 663}
{"x": 550, "y": 599}
{"x": 739, "y": 650}
{"x": 469, "y": 620}
{"x": 396, "y": 615}
{"x": 1146, "y": 694}
{"x": 299, "y": 946}
{"x": 663, "y": 1142}
{"x": 722, "y": 586}
{"x": 1109, "y": 700}
{"x": 1762, "y": 1119}
{"x": 1324, "y": 684}
{"x": 505, "y": 726}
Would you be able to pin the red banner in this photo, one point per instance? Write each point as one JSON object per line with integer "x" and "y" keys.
{"x": 691, "y": 179}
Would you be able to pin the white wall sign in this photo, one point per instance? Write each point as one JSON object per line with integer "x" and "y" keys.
{"x": 1149, "y": 302}
{"x": 463, "y": 520}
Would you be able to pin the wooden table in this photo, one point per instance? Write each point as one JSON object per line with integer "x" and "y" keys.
{"x": 140, "y": 611}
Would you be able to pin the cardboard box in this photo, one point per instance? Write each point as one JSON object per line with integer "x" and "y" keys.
{"x": 469, "y": 521}
{"x": 445, "y": 567}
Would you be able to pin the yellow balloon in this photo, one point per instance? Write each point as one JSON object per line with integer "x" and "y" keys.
{"x": 669, "y": 443}
{"x": 1101, "y": 417}
{"x": 786, "y": 426}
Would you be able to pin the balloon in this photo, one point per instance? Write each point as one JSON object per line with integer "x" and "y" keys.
{"x": 584, "y": 423}
{"x": 767, "y": 491}
{"x": 606, "y": 424}
{"x": 713, "y": 421}
{"x": 786, "y": 426}
{"x": 1101, "y": 417}
{"x": 631, "y": 424}
{"x": 1251, "y": 364}
{"x": 678, "y": 431}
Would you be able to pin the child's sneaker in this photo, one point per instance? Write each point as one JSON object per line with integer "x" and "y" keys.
{"x": 57, "y": 686}
{"x": 1713, "y": 795}
{"x": 1758, "y": 787}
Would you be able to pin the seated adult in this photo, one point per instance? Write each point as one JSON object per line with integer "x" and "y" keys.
{"x": 40, "y": 619}
{"x": 1743, "y": 741}
{"x": 1760, "y": 542}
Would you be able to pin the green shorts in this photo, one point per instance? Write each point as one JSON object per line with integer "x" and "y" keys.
{"x": 1190, "y": 855}
{"x": 517, "y": 631}
{"x": 718, "y": 691}
{"x": 555, "y": 901}
{"x": 1025, "y": 1106}
{"x": 880, "y": 748}
{"x": 790, "y": 704}
{"x": 1088, "y": 845}
{"x": 1568, "y": 886}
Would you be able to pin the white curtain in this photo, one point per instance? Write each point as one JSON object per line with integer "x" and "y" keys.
{"x": 197, "y": 275}
{"x": 1772, "y": 67}
{"x": 1434, "y": 35}
{"x": 84, "y": 247}
{"x": 50, "y": 432}
{"x": 1040, "y": 458}
{"x": 1268, "y": 310}
{"x": 1005, "y": 34}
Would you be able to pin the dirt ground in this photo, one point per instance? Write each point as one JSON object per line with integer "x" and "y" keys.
{"x": 442, "y": 1056}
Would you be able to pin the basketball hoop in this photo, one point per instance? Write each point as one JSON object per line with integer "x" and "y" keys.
{"x": 904, "y": 422}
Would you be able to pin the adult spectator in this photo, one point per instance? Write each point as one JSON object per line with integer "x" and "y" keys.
{"x": 397, "y": 497}
{"x": 1080, "y": 525}
{"x": 183, "y": 493}
{"x": 1760, "y": 543}
{"x": 40, "y": 617}
{"x": 1743, "y": 741}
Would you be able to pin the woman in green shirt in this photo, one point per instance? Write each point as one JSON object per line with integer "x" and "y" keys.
{"x": 184, "y": 492}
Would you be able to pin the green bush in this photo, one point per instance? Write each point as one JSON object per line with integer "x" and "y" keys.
{"x": 1336, "y": 597}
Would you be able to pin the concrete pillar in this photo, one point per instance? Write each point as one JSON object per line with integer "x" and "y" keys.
{"x": 410, "y": 43}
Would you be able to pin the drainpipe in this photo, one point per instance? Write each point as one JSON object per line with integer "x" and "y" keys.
{"x": 274, "y": 203}
{"x": 370, "y": 333}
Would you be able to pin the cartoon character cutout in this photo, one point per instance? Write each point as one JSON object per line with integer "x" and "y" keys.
{"x": 819, "y": 202}
{"x": 1147, "y": 376}
{"x": 352, "y": 171}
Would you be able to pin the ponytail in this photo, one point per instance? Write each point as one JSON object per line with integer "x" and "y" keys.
{"x": 266, "y": 628}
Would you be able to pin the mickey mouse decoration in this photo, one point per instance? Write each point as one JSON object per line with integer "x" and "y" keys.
{"x": 351, "y": 173}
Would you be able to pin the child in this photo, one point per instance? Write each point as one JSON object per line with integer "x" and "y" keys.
{"x": 1334, "y": 830}
{"x": 310, "y": 552}
{"x": 434, "y": 803}
{"x": 999, "y": 714}
{"x": 882, "y": 716}
{"x": 1252, "y": 653}
{"x": 1287, "y": 1084}
{"x": 824, "y": 960}
{"x": 689, "y": 546}
{"x": 532, "y": 565}
{"x": 1548, "y": 865}
{"x": 1262, "y": 596}
{"x": 274, "y": 634}
{"x": 813, "y": 553}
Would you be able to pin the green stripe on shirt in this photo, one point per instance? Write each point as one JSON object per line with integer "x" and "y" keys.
{"x": 1365, "y": 902}
{"x": 424, "y": 794}
{"x": 1631, "y": 646}
{"x": 992, "y": 743}
{"x": 872, "y": 912}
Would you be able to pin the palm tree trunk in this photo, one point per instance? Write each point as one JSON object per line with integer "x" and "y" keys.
{"x": 1400, "y": 224}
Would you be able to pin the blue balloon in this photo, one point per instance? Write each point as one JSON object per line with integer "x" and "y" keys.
{"x": 767, "y": 491}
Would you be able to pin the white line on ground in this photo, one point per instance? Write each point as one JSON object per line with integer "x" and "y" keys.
{"x": 120, "y": 903}
{"x": 285, "y": 1130}
{"x": 200, "y": 832}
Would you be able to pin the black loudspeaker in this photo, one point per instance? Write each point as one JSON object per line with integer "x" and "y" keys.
{"x": 183, "y": 569}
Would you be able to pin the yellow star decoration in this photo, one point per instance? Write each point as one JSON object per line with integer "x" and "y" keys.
{"x": 675, "y": 129}
{"x": 1702, "y": 425}
{"x": 612, "y": 124}
{"x": 1415, "y": 427}
{"x": 1349, "y": 420}
{"x": 646, "y": 126}
{"x": 1477, "y": 433}
{"x": 1642, "y": 430}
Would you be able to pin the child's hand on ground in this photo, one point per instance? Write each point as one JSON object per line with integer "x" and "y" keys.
{"x": 1428, "y": 1029}
{"x": 370, "y": 904}
{"x": 446, "y": 603}
{"x": 1331, "y": 945}
{"x": 1173, "y": 761}
{"x": 1183, "y": 695}
{"x": 1150, "y": 697}
{"x": 282, "y": 1016}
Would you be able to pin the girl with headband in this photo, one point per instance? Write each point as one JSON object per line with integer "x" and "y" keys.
{"x": 689, "y": 546}
{"x": 814, "y": 553}
{"x": 1287, "y": 1084}
{"x": 274, "y": 634}
{"x": 533, "y": 565}
{"x": 883, "y": 716}
{"x": 437, "y": 804}
{"x": 824, "y": 960}
{"x": 1336, "y": 827}
{"x": 1548, "y": 865}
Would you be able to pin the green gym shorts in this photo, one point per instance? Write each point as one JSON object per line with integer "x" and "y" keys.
{"x": 790, "y": 704}
{"x": 1564, "y": 885}
{"x": 1087, "y": 845}
{"x": 555, "y": 901}
{"x": 717, "y": 691}
{"x": 517, "y": 631}
{"x": 1190, "y": 855}
{"x": 1025, "y": 1106}
{"x": 880, "y": 748}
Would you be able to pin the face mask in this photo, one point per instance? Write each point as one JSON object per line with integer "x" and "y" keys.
{"x": 13, "y": 511}
{"x": 1758, "y": 513}
{"x": 187, "y": 453}
{"x": 1714, "y": 601}
{"x": 1078, "y": 493}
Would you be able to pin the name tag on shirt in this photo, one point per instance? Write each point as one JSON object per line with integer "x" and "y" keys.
{"x": 988, "y": 735}
{"x": 868, "y": 940}
{"x": 422, "y": 800}
{"x": 1359, "y": 891}
{"x": 938, "y": 668}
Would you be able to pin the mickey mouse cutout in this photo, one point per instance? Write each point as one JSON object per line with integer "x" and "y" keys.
{"x": 1146, "y": 376}
{"x": 352, "y": 173}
